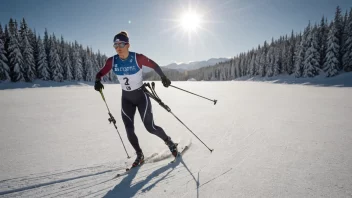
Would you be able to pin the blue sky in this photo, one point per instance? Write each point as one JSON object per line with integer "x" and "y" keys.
{"x": 229, "y": 26}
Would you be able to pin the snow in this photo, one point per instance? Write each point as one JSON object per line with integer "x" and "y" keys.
{"x": 342, "y": 80}
{"x": 269, "y": 140}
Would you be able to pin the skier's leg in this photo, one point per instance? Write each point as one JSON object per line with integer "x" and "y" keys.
{"x": 128, "y": 109}
{"x": 145, "y": 111}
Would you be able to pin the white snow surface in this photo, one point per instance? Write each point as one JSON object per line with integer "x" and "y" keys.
{"x": 269, "y": 140}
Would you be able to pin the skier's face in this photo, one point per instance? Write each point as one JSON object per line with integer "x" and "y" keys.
{"x": 121, "y": 47}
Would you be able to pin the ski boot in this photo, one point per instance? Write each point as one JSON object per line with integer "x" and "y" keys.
{"x": 172, "y": 146}
{"x": 139, "y": 160}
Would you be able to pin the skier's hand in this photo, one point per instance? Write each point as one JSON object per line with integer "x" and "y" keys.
{"x": 98, "y": 86}
{"x": 166, "y": 82}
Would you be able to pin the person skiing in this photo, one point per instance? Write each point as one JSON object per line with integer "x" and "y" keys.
{"x": 127, "y": 65}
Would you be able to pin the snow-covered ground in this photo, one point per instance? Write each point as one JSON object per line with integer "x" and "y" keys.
{"x": 341, "y": 80}
{"x": 269, "y": 140}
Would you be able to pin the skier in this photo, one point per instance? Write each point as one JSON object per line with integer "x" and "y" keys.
{"x": 127, "y": 66}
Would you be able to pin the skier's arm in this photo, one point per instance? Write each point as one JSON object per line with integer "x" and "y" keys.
{"x": 145, "y": 61}
{"x": 106, "y": 69}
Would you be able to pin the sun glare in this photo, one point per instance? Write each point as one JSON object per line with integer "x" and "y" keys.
{"x": 190, "y": 21}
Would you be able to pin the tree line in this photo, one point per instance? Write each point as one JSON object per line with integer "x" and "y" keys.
{"x": 25, "y": 56}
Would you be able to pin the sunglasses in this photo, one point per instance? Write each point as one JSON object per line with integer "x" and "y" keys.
{"x": 120, "y": 45}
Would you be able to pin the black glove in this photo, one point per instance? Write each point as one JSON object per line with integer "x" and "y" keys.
{"x": 166, "y": 82}
{"x": 98, "y": 86}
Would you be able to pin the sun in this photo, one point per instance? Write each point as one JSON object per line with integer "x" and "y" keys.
{"x": 190, "y": 21}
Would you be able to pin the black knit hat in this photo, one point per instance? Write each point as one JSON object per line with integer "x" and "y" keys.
{"x": 122, "y": 36}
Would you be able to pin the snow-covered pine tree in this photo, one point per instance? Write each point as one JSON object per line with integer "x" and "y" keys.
{"x": 338, "y": 24}
{"x": 249, "y": 59}
{"x": 245, "y": 63}
{"x": 248, "y": 62}
{"x": 27, "y": 53}
{"x": 344, "y": 37}
{"x": 84, "y": 64}
{"x": 67, "y": 64}
{"x": 262, "y": 61}
{"x": 43, "y": 68}
{"x": 47, "y": 46}
{"x": 234, "y": 65}
{"x": 34, "y": 43}
{"x": 299, "y": 58}
{"x": 95, "y": 64}
{"x": 61, "y": 49}
{"x": 228, "y": 70}
{"x": 277, "y": 62}
{"x": 270, "y": 61}
{"x": 71, "y": 51}
{"x": 6, "y": 44}
{"x": 222, "y": 76}
{"x": 322, "y": 40}
{"x": 239, "y": 68}
{"x": 252, "y": 65}
{"x": 60, "y": 45}
{"x": 285, "y": 57}
{"x": 291, "y": 53}
{"x": 316, "y": 46}
{"x": 54, "y": 59}
{"x": 311, "y": 57}
{"x": 89, "y": 66}
{"x": 15, "y": 55}
{"x": 32, "y": 38}
{"x": 4, "y": 68}
{"x": 77, "y": 63}
{"x": 305, "y": 35}
{"x": 257, "y": 61}
{"x": 331, "y": 64}
{"x": 82, "y": 53}
{"x": 231, "y": 77}
{"x": 347, "y": 57}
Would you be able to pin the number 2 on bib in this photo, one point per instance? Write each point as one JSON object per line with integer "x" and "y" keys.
{"x": 126, "y": 80}
{"x": 126, "y": 83}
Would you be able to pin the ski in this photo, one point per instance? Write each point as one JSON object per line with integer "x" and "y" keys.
{"x": 180, "y": 153}
{"x": 140, "y": 164}
{"x": 127, "y": 171}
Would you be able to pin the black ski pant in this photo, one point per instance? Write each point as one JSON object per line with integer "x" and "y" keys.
{"x": 131, "y": 100}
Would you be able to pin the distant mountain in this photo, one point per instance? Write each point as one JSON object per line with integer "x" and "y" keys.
{"x": 196, "y": 64}
{"x": 191, "y": 65}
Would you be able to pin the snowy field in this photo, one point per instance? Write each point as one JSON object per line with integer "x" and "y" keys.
{"x": 269, "y": 140}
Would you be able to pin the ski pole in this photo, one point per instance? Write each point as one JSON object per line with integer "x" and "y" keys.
{"x": 194, "y": 94}
{"x": 112, "y": 119}
{"x": 158, "y": 100}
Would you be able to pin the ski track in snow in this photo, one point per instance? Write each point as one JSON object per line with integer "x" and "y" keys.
{"x": 72, "y": 186}
{"x": 267, "y": 143}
